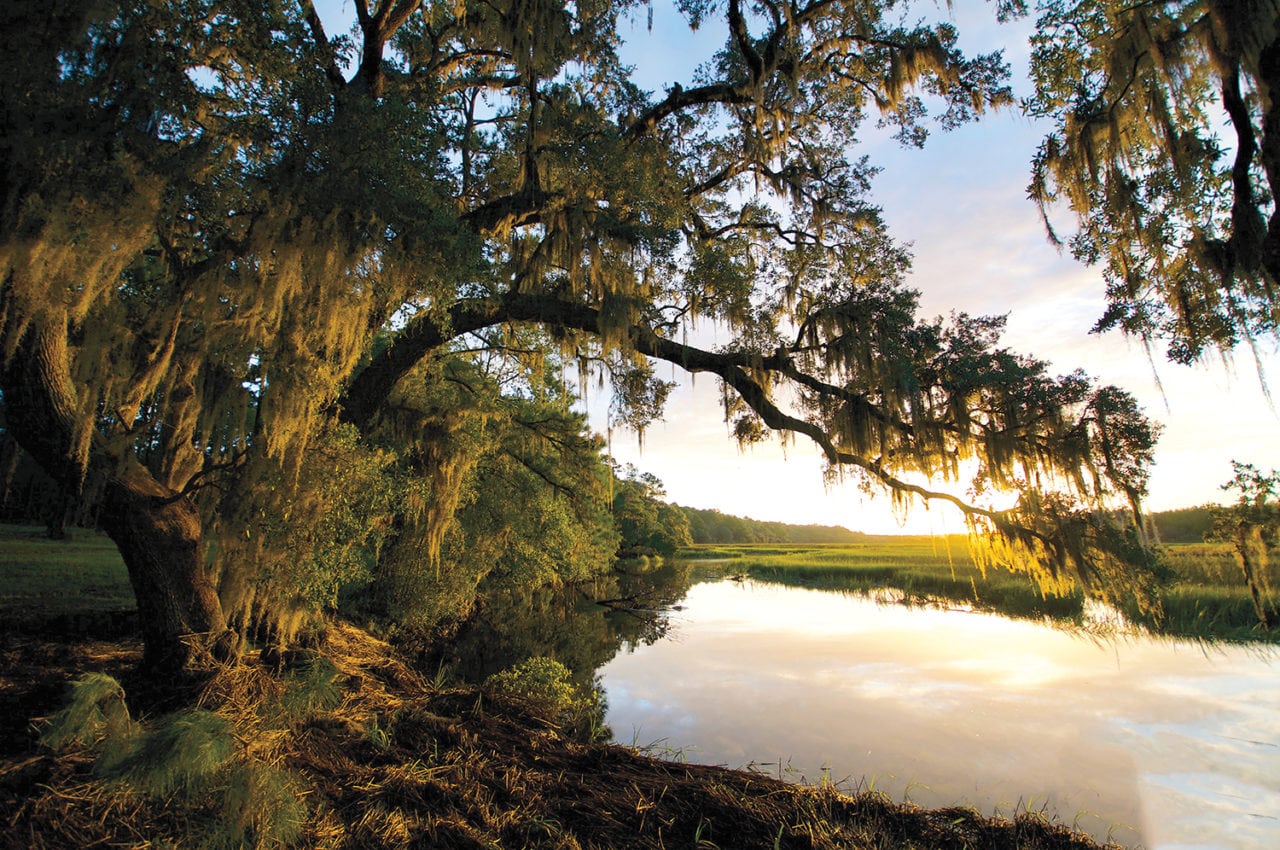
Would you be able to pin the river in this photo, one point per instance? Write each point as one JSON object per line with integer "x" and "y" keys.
{"x": 1161, "y": 743}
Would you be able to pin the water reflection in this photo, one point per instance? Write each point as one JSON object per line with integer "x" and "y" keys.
{"x": 1160, "y": 742}
{"x": 582, "y": 627}
{"x": 1163, "y": 743}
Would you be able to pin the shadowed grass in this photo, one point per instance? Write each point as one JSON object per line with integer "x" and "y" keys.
{"x": 66, "y": 582}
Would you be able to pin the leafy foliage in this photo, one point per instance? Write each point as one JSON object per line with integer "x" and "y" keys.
{"x": 517, "y": 489}
{"x": 546, "y": 687}
{"x": 712, "y": 526}
{"x": 1179, "y": 210}
{"x": 646, "y": 523}
{"x": 295, "y": 537}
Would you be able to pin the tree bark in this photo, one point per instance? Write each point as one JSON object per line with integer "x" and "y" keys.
{"x": 159, "y": 536}
{"x": 157, "y": 530}
{"x": 1269, "y": 76}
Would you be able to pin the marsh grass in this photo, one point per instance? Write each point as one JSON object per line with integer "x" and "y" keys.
{"x": 1203, "y": 594}
{"x": 924, "y": 570}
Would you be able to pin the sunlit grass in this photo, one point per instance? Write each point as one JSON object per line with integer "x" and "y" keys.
{"x": 1203, "y": 594}
{"x": 925, "y": 570}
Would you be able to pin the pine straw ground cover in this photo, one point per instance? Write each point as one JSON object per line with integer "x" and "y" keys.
{"x": 353, "y": 749}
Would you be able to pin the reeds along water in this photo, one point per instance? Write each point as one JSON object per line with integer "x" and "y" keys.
{"x": 1202, "y": 592}
{"x": 923, "y": 570}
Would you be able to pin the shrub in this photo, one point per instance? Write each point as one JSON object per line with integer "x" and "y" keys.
{"x": 546, "y": 688}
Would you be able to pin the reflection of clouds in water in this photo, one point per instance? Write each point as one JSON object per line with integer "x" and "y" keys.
{"x": 888, "y": 682}
{"x": 1213, "y": 811}
{"x": 1156, "y": 739}
{"x": 1024, "y": 671}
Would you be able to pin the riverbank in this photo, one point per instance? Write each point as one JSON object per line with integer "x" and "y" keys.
{"x": 353, "y": 749}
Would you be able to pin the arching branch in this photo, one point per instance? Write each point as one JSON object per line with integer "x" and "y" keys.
{"x": 680, "y": 99}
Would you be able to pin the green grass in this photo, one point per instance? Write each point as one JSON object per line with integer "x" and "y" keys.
{"x": 42, "y": 578}
{"x": 927, "y": 570}
{"x": 1203, "y": 597}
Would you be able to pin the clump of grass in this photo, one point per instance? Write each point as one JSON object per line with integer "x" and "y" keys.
{"x": 309, "y": 690}
{"x": 261, "y": 807}
{"x": 186, "y": 770}
{"x": 185, "y": 752}
{"x": 95, "y": 711}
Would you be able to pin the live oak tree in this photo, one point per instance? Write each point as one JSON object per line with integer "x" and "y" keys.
{"x": 1166, "y": 145}
{"x": 234, "y": 244}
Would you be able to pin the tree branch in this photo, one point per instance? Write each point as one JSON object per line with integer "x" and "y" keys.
{"x": 323, "y": 47}
{"x": 680, "y": 99}
{"x": 427, "y": 333}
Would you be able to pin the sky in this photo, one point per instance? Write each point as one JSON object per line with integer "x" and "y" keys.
{"x": 979, "y": 247}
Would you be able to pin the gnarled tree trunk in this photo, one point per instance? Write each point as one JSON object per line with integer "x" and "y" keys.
{"x": 157, "y": 529}
{"x": 159, "y": 535}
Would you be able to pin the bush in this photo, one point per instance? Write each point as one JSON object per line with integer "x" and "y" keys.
{"x": 546, "y": 688}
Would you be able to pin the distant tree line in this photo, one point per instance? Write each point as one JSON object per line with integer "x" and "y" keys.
{"x": 712, "y": 526}
{"x": 1185, "y": 525}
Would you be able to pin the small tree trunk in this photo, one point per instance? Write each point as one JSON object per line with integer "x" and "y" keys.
{"x": 159, "y": 535}
{"x": 8, "y": 467}
{"x": 1248, "y": 542}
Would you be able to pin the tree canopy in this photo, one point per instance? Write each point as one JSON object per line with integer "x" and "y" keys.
{"x": 1166, "y": 145}
{"x": 258, "y": 277}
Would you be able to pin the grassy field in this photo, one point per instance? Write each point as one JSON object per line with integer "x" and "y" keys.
{"x": 1203, "y": 595}
{"x": 42, "y": 579}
